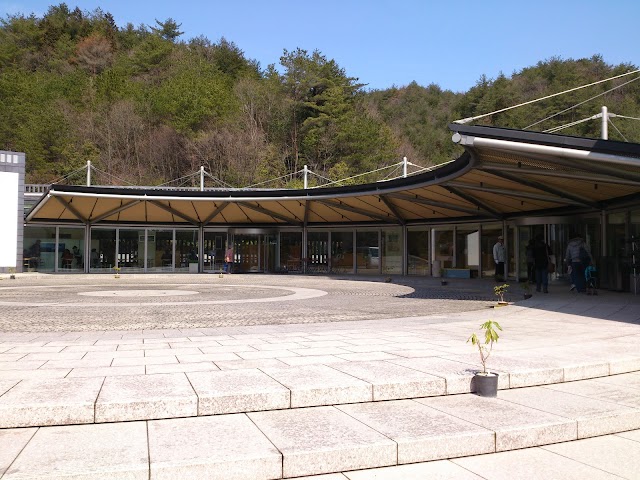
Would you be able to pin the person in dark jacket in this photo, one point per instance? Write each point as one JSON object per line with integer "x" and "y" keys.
{"x": 541, "y": 252}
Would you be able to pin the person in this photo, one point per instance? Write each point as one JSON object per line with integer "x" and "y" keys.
{"x": 34, "y": 253}
{"x": 531, "y": 267}
{"x": 577, "y": 257}
{"x": 67, "y": 258}
{"x": 95, "y": 258}
{"x": 77, "y": 256}
{"x": 541, "y": 252}
{"x": 228, "y": 259}
{"x": 499, "y": 255}
{"x": 591, "y": 278}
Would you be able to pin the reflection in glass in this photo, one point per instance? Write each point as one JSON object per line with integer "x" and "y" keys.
{"x": 102, "y": 254}
{"x": 443, "y": 253}
{"x": 468, "y": 248}
{"x": 291, "y": 251}
{"x": 71, "y": 249}
{"x": 317, "y": 252}
{"x": 418, "y": 252}
{"x": 488, "y": 239}
{"x": 342, "y": 252}
{"x": 186, "y": 250}
{"x": 131, "y": 250}
{"x": 160, "y": 250}
{"x": 392, "y": 250}
{"x": 214, "y": 243}
{"x": 367, "y": 252}
{"x": 39, "y": 253}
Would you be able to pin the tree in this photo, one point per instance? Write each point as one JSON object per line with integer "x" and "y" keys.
{"x": 168, "y": 30}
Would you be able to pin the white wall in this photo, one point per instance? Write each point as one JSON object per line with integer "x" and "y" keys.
{"x": 8, "y": 218}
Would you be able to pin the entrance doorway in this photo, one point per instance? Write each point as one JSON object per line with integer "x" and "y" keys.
{"x": 254, "y": 252}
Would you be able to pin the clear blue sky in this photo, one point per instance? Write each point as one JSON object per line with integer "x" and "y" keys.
{"x": 393, "y": 42}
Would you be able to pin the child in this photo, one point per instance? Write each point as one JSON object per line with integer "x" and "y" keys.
{"x": 591, "y": 276}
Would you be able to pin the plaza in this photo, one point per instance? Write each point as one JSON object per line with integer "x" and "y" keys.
{"x": 286, "y": 376}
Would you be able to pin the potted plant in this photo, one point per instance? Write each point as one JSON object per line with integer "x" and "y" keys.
{"x": 500, "y": 291}
{"x": 485, "y": 383}
{"x": 117, "y": 270}
{"x": 526, "y": 290}
{"x": 12, "y": 273}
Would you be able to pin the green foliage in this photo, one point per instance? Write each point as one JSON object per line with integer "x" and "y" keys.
{"x": 500, "y": 291}
{"x": 490, "y": 337}
{"x": 146, "y": 106}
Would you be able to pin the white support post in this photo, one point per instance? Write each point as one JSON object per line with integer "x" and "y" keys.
{"x": 202, "y": 178}
{"x": 305, "y": 175}
{"x": 404, "y": 167}
{"x": 605, "y": 124}
{"x": 88, "y": 173}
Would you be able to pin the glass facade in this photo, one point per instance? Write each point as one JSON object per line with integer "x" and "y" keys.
{"x": 71, "y": 249}
{"x": 214, "y": 247}
{"x": 40, "y": 249}
{"x": 418, "y": 261}
{"x": 102, "y": 254}
{"x": 317, "y": 252}
{"x": 342, "y": 252}
{"x": 443, "y": 248}
{"x": 159, "y": 250}
{"x": 131, "y": 250}
{"x": 371, "y": 250}
{"x": 488, "y": 239}
{"x": 392, "y": 248}
{"x": 367, "y": 252}
{"x": 291, "y": 251}
{"x": 186, "y": 255}
{"x": 468, "y": 248}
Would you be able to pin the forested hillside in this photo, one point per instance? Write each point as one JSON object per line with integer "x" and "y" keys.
{"x": 147, "y": 106}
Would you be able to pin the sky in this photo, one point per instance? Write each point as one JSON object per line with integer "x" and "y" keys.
{"x": 389, "y": 43}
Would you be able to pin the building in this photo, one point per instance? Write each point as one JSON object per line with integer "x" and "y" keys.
{"x": 510, "y": 183}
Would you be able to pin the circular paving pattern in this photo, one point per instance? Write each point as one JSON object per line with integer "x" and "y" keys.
{"x": 139, "y": 293}
{"x": 142, "y": 302}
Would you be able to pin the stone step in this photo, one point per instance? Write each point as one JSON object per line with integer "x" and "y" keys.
{"x": 299, "y": 442}
{"x": 34, "y": 402}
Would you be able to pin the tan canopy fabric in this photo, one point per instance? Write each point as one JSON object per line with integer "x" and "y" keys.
{"x": 502, "y": 174}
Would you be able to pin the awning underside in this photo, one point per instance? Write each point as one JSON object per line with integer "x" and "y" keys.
{"x": 490, "y": 183}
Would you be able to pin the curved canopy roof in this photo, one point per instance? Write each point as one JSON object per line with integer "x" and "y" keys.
{"x": 502, "y": 174}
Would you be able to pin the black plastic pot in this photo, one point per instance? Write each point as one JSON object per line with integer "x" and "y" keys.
{"x": 527, "y": 296}
{"x": 485, "y": 385}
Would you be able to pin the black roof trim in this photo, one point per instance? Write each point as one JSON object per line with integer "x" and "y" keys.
{"x": 377, "y": 188}
{"x": 550, "y": 139}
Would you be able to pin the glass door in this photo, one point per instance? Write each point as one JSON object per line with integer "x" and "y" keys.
{"x": 254, "y": 253}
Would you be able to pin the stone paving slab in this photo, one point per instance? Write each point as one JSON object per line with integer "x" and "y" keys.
{"x": 457, "y": 375}
{"x": 50, "y": 402}
{"x": 613, "y": 454}
{"x": 11, "y": 444}
{"x": 530, "y": 464}
{"x": 221, "y": 447}
{"x": 422, "y": 433}
{"x": 235, "y": 391}
{"x": 393, "y": 382}
{"x": 323, "y": 440}
{"x": 320, "y": 385}
{"x": 84, "y": 452}
{"x": 601, "y": 390}
{"x": 594, "y": 417}
{"x": 438, "y": 470}
{"x": 143, "y": 397}
{"x": 515, "y": 426}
